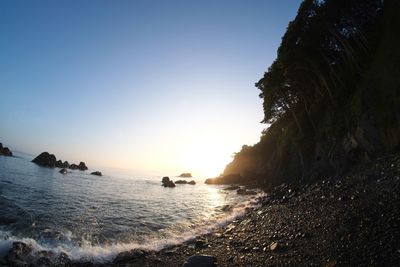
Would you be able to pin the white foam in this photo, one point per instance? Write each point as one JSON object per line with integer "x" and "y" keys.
{"x": 106, "y": 253}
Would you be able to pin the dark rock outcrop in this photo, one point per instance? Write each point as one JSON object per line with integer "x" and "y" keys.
{"x": 73, "y": 166}
{"x": 192, "y": 182}
{"x": 19, "y": 254}
{"x": 181, "y": 182}
{"x": 82, "y": 166}
{"x": 96, "y": 173}
{"x": 60, "y": 164}
{"x": 5, "y": 151}
{"x": 63, "y": 171}
{"x": 45, "y": 159}
{"x": 166, "y": 182}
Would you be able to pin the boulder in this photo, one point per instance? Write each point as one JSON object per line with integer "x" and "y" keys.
{"x": 181, "y": 182}
{"x": 166, "y": 182}
{"x": 165, "y": 179}
{"x": 82, "y": 166}
{"x": 59, "y": 164}
{"x": 45, "y": 159}
{"x": 199, "y": 261}
{"x": 66, "y": 164}
{"x": 96, "y": 173}
{"x": 7, "y": 152}
{"x": 192, "y": 182}
{"x": 63, "y": 171}
{"x": 73, "y": 166}
{"x": 19, "y": 254}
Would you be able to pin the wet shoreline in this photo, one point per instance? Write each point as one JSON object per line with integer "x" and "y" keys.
{"x": 349, "y": 220}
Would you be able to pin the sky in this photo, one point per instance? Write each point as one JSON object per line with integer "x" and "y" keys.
{"x": 158, "y": 87}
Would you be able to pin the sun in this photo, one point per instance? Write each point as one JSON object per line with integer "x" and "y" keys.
{"x": 205, "y": 158}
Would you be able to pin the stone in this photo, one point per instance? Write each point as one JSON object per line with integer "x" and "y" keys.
{"x": 63, "y": 171}
{"x": 73, "y": 166}
{"x": 96, "y": 173}
{"x": 45, "y": 159}
{"x": 82, "y": 166}
{"x": 169, "y": 184}
{"x": 181, "y": 182}
{"x": 192, "y": 182}
{"x": 7, "y": 152}
{"x": 274, "y": 246}
{"x": 19, "y": 254}
{"x": 166, "y": 182}
{"x": 165, "y": 179}
{"x": 199, "y": 261}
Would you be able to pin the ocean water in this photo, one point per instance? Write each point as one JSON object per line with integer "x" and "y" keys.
{"x": 94, "y": 218}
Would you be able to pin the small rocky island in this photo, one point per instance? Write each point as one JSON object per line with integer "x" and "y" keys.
{"x": 166, "y": 182}
{"x": 5, "y": 151}
{"x": 45, "y": 159}
{"x": 185, "y": 175}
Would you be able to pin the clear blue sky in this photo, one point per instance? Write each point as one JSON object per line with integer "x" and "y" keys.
{"x": 156, "y": 86}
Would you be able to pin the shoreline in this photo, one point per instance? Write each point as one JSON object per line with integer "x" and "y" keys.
{"x": 350, "y": 220}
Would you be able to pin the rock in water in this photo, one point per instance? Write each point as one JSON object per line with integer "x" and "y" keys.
{"x": 7, "y": 152}
{"x": 96, "y": 173}
{"x": 165, "y": 179}
{"x": 63, "y": 171}
{"x": 19, "y": 254}
{"x": 73, "y": 166}
{"x": 82, "y": 166}
{"x": 59, "y": 164}
{"x": 166, "y": 182}
{"x": 46, "y": 160}
{"x": 199, "y": 261}
{"x": 181, "y": 182}
{"x": 192, "y": 182}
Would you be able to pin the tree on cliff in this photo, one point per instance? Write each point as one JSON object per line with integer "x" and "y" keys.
{"x": 315, "y": 96}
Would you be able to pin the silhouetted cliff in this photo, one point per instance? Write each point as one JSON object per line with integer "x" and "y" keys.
{"x": 331, "y": 97}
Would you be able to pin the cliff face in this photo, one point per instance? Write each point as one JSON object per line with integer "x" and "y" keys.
{"x": 331, "y": 104}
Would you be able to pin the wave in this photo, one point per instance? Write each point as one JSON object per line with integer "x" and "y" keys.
{"x": 86, "y": 251}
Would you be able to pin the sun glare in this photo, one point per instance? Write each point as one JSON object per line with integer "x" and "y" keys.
{"x": 206, "y": 159}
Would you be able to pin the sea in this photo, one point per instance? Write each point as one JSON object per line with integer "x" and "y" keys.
{"x": 93, "y": 218}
